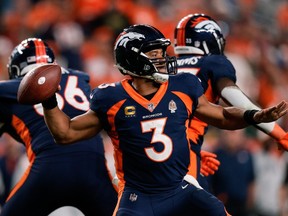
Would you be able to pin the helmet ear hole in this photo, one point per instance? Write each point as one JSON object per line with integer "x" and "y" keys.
{"x": 28, "y": 52}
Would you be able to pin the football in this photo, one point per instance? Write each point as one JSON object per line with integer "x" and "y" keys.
{"x": 39, "y": 84}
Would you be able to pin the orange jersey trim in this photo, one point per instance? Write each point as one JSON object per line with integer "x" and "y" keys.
{"x": 186, "y": 100}
{"x": 114, "y": 138}
{"x": 24, "y": 133}
{"x": 140, "y": 99}
{"x": 188, "y": 103}
{"x": 21, "y": 182}
{"x": 211, "y": 97}
{"x": 120, "y": 193}
{"x": 192, "y": 169}
{"x": 196, "y": 129}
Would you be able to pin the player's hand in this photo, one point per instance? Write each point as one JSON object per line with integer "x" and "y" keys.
{"x": 209, "y": 163}
{"x": 272, "y": 113}
{"x": 283, "y": 143}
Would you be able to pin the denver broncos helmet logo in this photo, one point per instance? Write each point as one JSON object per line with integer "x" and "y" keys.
{"x": 204, "y": 23}
{"x": 123, "y": 39}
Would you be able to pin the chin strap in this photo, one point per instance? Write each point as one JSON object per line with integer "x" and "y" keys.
{"x": 237, "y": 98}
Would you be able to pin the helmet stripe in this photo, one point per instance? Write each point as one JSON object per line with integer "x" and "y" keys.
{"x": 181, "y": 31}
{"x": 40, "y": 51}
{"x": 182, "y": 25}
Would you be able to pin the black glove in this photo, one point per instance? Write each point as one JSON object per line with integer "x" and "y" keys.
{"x": 50, "y": 103}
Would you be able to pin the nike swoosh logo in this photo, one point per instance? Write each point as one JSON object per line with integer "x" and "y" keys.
{"x": 183, "y": 187}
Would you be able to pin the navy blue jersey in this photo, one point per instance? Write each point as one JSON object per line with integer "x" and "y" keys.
{"x": 209, "y": 69}
{"x": 149, "y": 136}
{"x": 73, "y": 175}
{"x": 26, "y": 123}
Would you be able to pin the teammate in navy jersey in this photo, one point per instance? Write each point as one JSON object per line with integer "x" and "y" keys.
{"x": 74, "y": 175}
{"x": 146, "y": 118}
{"x": 199, "y": 45}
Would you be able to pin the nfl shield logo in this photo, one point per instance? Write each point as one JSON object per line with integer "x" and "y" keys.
{"x": 133, "y": 197}
{"x": 151, "y": 107}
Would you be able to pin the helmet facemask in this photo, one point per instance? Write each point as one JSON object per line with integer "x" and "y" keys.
{"x": 157, "y": 68}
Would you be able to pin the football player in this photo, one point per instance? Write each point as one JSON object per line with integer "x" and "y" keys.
{"x": 57, "y": 176}
{"x": 146, "y": 117}
{"x": 199, "y": 45}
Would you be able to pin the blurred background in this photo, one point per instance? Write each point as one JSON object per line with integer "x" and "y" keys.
{"x": 252, "y": 179}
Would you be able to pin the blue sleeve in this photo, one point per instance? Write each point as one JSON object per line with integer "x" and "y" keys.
{"x": 220, "y": 67}
{"x": 96, "y": 100}
{"x": 190, "y": 85}
{"x": 102, "y": 99}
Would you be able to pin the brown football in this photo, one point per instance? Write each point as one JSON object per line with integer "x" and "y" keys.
{"x": 39, "y": 84}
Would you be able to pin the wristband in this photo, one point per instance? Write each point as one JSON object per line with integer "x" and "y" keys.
{"x": 249, "y": 116}
{"x": 50, "y": 103}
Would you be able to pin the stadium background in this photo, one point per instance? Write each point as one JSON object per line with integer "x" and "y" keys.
{"x": 82, "y": 32}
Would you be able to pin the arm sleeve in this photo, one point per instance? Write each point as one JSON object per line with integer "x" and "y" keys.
{"x": 237, "y": 98}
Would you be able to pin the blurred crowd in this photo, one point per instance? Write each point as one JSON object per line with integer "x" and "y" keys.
{"x": 82, "y": 32}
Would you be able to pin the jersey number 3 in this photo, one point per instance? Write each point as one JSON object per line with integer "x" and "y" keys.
{"x": 157, "y": 127}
